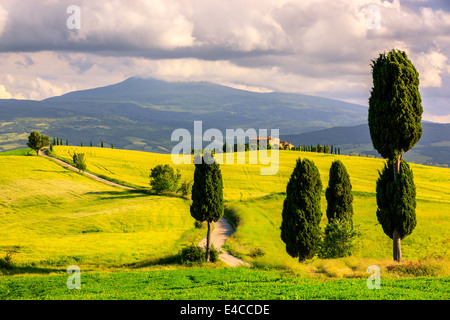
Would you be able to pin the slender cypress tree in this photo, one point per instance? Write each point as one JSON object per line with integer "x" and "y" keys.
{"x": 339, "y": 193}
{"x": 207, "y": 195}
{"x": 339, "y": 232}
{"x": 301, "y": 211}
{"x": 395, "y": 114}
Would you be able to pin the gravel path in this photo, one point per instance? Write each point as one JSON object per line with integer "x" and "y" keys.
{"x": 222, "y": 231}
{"x": 90, "y": 175}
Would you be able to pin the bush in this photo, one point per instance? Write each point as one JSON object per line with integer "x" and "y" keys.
{"x": 257, "y": 252}
{"x": 192, "y": 255}
{"x": 339, "y": 239}
{"x": 79, "y": 161}
{"x": 214, "y": 254}
{"x": 164, "y": 178}
{"x": 185, "y": 188}
{"x": 232, "y": 216}
{"x": 199, "y": 224}
{"x": 8, "y": 261}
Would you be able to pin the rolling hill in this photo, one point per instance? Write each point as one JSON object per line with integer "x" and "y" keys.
{"x": 141, "y": 114}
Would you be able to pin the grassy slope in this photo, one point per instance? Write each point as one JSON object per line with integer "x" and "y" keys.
{"x": 57, "y": 217}
{"x": 258, "y": 198}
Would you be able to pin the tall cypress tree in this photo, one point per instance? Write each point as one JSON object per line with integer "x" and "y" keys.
{"x": 301, "y": 211}
{"x": 395, "y": 114}
{"x": 339, "y": 193}
{"x": 339, "y": 231}
{"x": 207, "y": 195}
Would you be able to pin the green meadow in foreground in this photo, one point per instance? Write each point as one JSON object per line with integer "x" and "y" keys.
{"x": 212, "y": 284}
{"x": 53, "y": 218}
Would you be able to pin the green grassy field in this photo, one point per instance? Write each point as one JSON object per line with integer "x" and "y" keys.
{"x": 56, "y": 217}
{"x": 217, "y": 283}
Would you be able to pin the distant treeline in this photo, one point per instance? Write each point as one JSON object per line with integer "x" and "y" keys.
{"x": 307, "y": 148}
{"x": 60, "y": 142}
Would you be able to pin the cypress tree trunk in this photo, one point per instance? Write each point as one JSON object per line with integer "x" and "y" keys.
{"x": 208, "y": 241}
{"x": 397, "y": 245}
{"x": 396, "y": 166}
{"x": 396, "y": 234}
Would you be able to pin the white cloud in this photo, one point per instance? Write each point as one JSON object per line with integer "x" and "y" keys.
{"x": 431, "y": 67}
{"x": 4, "y": 94}
{"x": 3, "y": 19}
{"x": 309, "y": 46}
{"x": 134, "y": 23}
{"x": 436, "y": 118}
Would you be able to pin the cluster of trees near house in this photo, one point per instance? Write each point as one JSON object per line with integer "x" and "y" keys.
{"x": 318, "y": 148}
{"x": 306, "y": 148}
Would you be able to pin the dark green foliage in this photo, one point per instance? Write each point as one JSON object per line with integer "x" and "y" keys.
{"x": 396, "y": 201}
{"x": 79, "y": 161}
{"x": 91, "y": 143}
{"x": 339, "y": 193}
{"x": 164, "y": 178}
{"x": 81, "y": 144}
{"x": 339, "y": 239}
{"x": 102, "y": 144}
{"x": 207, "y": 192}
{"x": 395, "y": 108}
{"x": 37, "y": 141}
{"x": 192, "y": 254}
{"x": 185, "y": 188}
{"x": 301, "y": 211}
{"x": 67, "y": 142}
{"x": 213, "y": 254}
{"x": 339, "y": 231}
{"x": 232, "y": 216}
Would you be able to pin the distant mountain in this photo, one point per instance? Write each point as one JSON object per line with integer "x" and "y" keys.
{"x": 433, "y": 147}
{"x": 141, "y": 114}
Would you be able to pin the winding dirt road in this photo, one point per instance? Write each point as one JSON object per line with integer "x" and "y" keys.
{"x": 222, "y": 229}
{"x": 90, "y": 175}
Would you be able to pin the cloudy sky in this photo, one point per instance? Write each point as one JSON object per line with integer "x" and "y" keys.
{"x": 315, "y": 47}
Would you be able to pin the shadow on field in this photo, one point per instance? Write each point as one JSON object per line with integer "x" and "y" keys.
{"x": 123, "y": 194}
{"x": 167, "y": 260}
{"x": 13, "y": 270}
{"x": 132, "y": 194}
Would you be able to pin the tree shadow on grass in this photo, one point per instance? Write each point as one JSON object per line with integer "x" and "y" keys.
{"x": 18, "y": 269}
{"x": 173, "y": 259}
{"x": 131, "y": 194}
{"x": 123, "y": 194}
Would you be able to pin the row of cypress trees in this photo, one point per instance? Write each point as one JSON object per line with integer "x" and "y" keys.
{"x": 301, "y": 212}
{"x": 395, "y": 113}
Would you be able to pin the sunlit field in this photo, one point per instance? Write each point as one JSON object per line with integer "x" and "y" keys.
{"x": 54, "y": 217}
